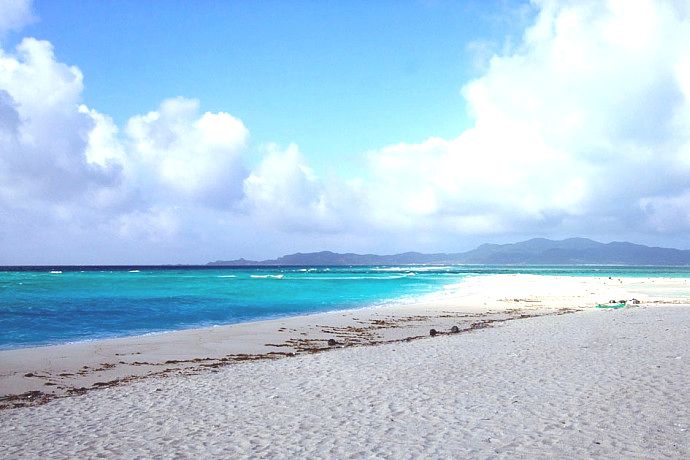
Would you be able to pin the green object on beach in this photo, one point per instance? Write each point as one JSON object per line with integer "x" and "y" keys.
{"x": 611, "y": 305}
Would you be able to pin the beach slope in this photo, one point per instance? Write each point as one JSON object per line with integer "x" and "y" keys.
{"x": 602, "y": 383}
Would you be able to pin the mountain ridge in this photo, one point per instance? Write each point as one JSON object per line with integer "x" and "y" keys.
{"x": 540, "y": 251}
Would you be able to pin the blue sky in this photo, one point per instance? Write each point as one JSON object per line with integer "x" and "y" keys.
{"x": 339, "y": 78}
{"x": 182, "y": 132}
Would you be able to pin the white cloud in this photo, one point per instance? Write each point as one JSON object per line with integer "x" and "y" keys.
{"x": 154, "y": 225}
{"x": 582, "y": 127}
{"x": 14, "y": 15}
{"x": 174, "y": 151}
{"x": 66, "y": 166}
{"x": 44, "y": 133}
{"x": 282, "y": 190}
{"x": 583, "y": 121}
{"x": 102, "y": 145}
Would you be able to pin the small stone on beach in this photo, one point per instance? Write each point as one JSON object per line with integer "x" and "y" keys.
{"x": 332, "y": 342}
{"x": 454, "y": 330}
{"x": 433, "y": 332}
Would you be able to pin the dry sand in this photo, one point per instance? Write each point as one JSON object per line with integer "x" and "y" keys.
{"x": 604, "y": 383}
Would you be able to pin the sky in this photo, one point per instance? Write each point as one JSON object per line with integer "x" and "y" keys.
{"x": 183, "y": 132}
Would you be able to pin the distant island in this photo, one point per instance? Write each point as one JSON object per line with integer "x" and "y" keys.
{"x": 534, "y": 251}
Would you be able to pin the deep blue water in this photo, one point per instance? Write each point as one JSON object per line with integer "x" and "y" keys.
{"x": 41, "y": 306}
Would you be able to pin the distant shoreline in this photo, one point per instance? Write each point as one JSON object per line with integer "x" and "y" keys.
{"x": 537, "y": 251}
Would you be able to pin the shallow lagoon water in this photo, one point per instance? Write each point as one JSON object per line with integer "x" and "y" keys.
{"x": 52, "y": 305}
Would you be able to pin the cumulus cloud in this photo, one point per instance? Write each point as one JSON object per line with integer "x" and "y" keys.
{"x": 580, "y": 128}
{"x": 584, "y": 125}
{"x": 282, "y": 190}
{"x": 66, "y": 166}
{"x": 174, "y": 151}
{"x": 154, "y": 225}
{"x": 43, "y": 131}
{"x": 14, "y": 15}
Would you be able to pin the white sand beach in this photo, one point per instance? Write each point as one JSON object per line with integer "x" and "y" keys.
{"x": 523, "y": 379}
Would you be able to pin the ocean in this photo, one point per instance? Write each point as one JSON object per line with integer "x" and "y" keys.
{"x": 54, "y": 305}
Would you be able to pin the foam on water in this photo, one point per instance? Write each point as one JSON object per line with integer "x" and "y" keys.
{"x": 420, "y": 268}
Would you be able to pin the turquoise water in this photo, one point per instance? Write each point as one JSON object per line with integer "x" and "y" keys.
{"x": 41, "y": 306}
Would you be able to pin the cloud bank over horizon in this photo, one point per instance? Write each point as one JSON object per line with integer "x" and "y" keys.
{"x": 582, "y": 128}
